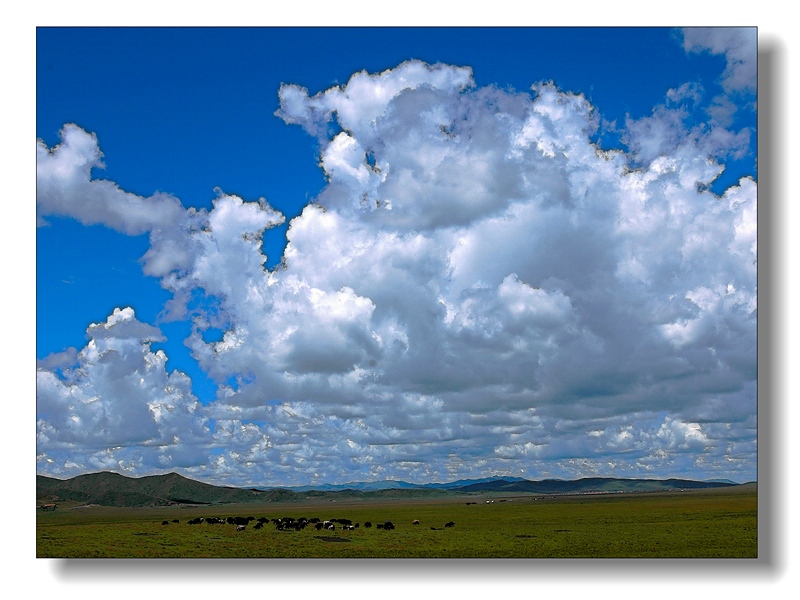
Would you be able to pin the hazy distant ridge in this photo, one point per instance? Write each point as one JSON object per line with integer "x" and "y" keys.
{"x": 391, "y": 484}
{"x": 589, "y": 485}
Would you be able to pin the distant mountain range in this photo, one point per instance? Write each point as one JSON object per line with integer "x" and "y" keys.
{"x": 112, "y": 489}
{"x": 518, "y": 484}
{"x": 391, "y": 484}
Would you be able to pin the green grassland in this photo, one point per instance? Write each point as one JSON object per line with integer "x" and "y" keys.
{"x": 692, "y": 524}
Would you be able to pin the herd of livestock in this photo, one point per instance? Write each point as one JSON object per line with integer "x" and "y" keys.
{"x": 292, "y": 524}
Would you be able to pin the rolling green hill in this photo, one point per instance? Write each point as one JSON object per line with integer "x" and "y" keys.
{"x": 112, "y": 489}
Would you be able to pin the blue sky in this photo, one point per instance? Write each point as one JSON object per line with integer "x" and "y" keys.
{"x": 483, "y": 293}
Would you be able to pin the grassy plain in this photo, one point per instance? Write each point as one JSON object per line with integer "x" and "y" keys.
{"x": 693, "y": 524}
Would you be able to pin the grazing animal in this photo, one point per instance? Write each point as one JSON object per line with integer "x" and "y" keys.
{"x": 368, "y": 524}
{"x": 415, "y": 522}
{"x": 379, "y": 525}
{"x": 388, "y": 525}
{"x": 175, "y": 521}
{"x": 241, "y": 527}
{"x": 450, "y": 524}
{"x": 165, "y": 522}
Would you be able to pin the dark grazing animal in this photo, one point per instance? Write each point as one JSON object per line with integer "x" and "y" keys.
{"x": 450, "y": 524}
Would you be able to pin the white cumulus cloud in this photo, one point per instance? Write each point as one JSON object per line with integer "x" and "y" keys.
{"x": 477, "y": 286}
{"x": 64, "y": 187}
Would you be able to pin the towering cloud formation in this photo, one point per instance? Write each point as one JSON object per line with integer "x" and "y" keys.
{"x": 479, "y": 288}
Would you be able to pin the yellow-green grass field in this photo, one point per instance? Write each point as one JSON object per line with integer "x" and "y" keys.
{"x": 720, "y": 523}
